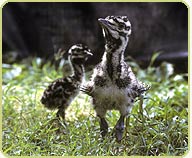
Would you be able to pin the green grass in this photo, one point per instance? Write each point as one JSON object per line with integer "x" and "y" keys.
{"x": 160, "y": 127}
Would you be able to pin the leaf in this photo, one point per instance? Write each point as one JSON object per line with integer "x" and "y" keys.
{"x": 11, "y": 73}
{"x": 153, "y": 58}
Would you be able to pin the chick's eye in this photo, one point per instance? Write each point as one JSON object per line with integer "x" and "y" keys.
{"x": 128, "y": 28}
{"x": 121, "y": 26}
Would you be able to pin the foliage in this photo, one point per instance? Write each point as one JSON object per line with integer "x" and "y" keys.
{"x": 158, "y": 127}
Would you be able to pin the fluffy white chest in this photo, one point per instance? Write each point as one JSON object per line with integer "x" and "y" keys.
{"x": 111, "y": 97}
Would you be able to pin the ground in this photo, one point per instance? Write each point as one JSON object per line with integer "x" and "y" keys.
{"x": 158, "y": 127}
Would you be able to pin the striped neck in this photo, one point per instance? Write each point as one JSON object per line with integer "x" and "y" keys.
{"x": 114, "y": 55}
{"x": 78, "y": 71}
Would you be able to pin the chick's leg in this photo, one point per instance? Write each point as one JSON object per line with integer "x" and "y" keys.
{"x": 119, "y": 128}
{"x": 103, "y": 123}
{"x": 61, "y": 113}
{"x": 103, "y": 126}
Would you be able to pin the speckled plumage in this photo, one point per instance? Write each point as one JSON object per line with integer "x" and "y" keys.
{"x": 62, "y": 91}
{"x": 113, "y": 84}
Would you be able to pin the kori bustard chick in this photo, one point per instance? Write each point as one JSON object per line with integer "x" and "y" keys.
{"x": 60, "y": 93}
{"x": 113, "y": 85}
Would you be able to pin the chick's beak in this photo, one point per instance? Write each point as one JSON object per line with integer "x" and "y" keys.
{"x": 103, "y": 22}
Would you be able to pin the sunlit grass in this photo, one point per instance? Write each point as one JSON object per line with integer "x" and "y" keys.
{"x": 159, "y": 128}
